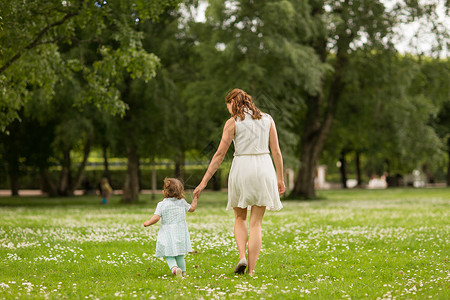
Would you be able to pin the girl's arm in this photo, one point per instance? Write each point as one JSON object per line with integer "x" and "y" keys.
{"x": 277, "y": 157}
{"x": 152, "y": 221}
{"x": 227, "y": 137}
{"x": 193, "y": 205}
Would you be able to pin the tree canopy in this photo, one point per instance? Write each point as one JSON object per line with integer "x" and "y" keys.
{"x": 146, "y": 79}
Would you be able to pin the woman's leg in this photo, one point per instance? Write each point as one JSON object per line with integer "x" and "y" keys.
{"x": 255, "y": 239}
{"x": 180, "y": 262}
{"x": 240, "y": 230}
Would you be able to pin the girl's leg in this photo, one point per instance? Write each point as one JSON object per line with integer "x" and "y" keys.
{"x": 180, "y": 262}
{"x": 171, "y": 261}
{"x": 240, "y": 230}
{"x": 255, "y": 239}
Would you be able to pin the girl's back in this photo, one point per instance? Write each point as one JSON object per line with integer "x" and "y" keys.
{"x": 172, "y": 210}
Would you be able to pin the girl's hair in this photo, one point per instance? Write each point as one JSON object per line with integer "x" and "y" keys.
{"x": 173, "y": 188}
{"x": 241, "y": 102}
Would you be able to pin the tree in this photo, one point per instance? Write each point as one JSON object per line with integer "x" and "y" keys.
{"x": 384, "y": 116}
{"x": 433, "y": 82}
{"x": 347, "y": 26}
{"x": 261, "y": 47}
{"x": 156, "y": 114}
{"x": 94, "y": 45}
{"x": 30, "y": 58}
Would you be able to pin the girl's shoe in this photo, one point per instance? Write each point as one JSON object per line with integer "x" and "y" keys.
{"x": 184, "y": 274}
{"x": 240, "y": 268}
{"x": 176, "y": 272}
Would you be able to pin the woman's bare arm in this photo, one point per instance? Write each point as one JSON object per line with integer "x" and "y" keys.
{"x": 277, "y": 157}
{"x": 227, "y": 137}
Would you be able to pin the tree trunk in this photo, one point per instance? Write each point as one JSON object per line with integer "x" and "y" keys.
{"x": 448, "y": 167}
{"x": 153, "y": 180}
{"x": 358, "y": 169}
{"x": 65, "y": 179}
{"x": 343, "y": 170}
{"x": 82, "y": 166}
{"x": 13, "y": 173}
{"x": 106, "y": 172}
{"x": 430, "y": 178}
{"x": 12, "y": 154}
{"x": 313, "y": 140}
{"x": 131, "y": 187}
{"x": 319, "y": 117}
{"x": 47, "y": 185}
{"x": 179, "y": 166}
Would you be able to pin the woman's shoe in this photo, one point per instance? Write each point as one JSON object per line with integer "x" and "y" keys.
{"x": 240, "y": 268}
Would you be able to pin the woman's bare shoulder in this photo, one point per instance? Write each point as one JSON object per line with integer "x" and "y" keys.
{"x": 231, "y": 121}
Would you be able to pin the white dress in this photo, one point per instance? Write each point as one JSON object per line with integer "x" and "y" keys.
{"x": 173, "y": 236}
{"x": 252, "y": 179}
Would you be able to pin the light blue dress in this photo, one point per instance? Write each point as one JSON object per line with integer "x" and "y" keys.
{"x": 173, "y": 236}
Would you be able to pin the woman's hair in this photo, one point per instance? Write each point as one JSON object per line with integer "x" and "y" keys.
{"x": 242, "y": 102}
{"x": 173, "y": 188}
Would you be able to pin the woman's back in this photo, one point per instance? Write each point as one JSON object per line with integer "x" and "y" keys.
{"x": 252, "y": 136}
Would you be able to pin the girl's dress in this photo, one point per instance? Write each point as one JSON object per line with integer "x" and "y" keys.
{"x": 173, "y": 236}
{"x": 106, "y": 189}
{"x": 252, "y": 179}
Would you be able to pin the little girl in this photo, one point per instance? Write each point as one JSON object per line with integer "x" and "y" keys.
{"x": 105, "y": 190}
{"x": 173, "y": 240}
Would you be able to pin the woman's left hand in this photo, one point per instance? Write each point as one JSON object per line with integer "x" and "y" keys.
{"x": 281, "y": 187}
{"x": 198, "y": 190}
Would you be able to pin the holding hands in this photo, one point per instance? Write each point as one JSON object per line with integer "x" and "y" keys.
{"x": 198, "y": 190}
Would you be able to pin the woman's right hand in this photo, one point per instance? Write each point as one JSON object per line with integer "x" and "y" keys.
{"x": 281, "y": 186}
{"x": 198, "y": 190}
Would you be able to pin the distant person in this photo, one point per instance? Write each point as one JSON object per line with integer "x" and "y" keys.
{"x": 173, "y": 240}
{"x": 253, "y": 181}
{"x": 105, "y": 190}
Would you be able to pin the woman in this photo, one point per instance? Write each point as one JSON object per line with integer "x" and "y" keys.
{"x": 253, "y": 181}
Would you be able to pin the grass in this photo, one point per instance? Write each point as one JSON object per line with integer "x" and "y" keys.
{"x": 357, "y": 244}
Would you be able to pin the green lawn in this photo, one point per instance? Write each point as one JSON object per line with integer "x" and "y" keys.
{"x": 357, "y": 244}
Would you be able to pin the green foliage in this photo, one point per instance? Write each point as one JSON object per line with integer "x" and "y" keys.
{"x": 386, "y": 113}
{"x": 31, "y": 60}
{"x": 68, "y": 67}
{"x": 260, "y": 47}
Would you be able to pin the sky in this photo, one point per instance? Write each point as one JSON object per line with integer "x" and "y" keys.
{"x": 415, "y": 38}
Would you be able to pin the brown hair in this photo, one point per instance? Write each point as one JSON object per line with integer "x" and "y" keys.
{"x": 240, "y": 102}
{"x": 173, "y": 188}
